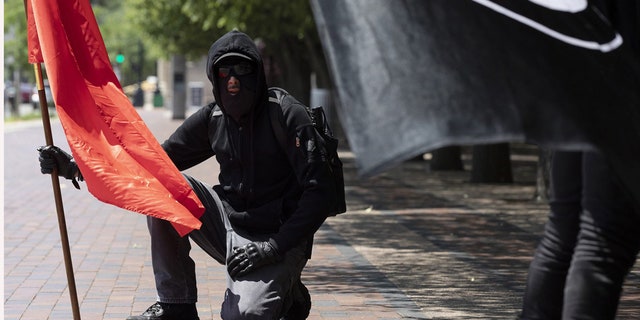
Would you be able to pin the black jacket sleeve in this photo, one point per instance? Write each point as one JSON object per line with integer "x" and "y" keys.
{"x": 189, "y": 145}
{"x": 305, "y": 150}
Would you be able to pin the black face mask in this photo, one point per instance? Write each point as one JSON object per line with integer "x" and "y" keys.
{"x": 238, "y": 106}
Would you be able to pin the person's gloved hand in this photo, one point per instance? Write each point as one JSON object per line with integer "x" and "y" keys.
{"x": 251, "y": 256}
{"x": 53, "y": 158}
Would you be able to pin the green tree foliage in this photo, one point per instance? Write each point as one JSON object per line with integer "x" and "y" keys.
{"x": 270, "y": 20}
{"x": 15, "y": 39}
{"x": 170, "y": 31}
{"x": 188, "y": 27}
{"x": 119, "y": 34}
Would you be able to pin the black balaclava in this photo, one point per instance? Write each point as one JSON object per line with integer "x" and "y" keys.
{"x": 235, "y": 44}
{"x": 238, "y": 106}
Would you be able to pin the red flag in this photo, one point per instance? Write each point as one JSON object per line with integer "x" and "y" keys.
{"x": 122, "y": 162}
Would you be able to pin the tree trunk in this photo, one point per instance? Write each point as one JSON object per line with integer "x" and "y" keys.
{"x": 446, "y": 158}
{"x": 543, "y": 176}
{"x": 179, "y": 84}
{"x": 491, "y": 163}
{"x": 17, "y": 98}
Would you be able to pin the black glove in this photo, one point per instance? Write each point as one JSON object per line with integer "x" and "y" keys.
{"x": 251, "y": 256}
{"x": 53, "y": 158}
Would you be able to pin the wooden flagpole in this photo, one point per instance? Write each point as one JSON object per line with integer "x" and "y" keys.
{"x": 62, "y": 225}
{"x": 55, "y": 181}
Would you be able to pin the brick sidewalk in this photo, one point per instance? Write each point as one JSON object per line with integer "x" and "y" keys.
{"x": 414, "y": 244}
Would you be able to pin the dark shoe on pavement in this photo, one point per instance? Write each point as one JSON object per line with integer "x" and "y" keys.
{"x": 301, "y": 303}
{"x": 169, "y": 311}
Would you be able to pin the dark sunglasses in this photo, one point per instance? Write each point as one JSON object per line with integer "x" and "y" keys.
{"x": 239, "y": 69}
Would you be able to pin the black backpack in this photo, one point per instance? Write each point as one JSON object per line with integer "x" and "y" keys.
{"x": 321, "y": 125}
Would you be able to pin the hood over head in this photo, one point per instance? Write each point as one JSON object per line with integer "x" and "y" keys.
{"x": 234, "y": 47}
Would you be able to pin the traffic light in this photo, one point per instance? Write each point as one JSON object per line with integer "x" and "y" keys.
{"x": 119, "y": 58}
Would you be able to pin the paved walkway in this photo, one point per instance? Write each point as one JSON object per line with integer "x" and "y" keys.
{"x": 415, "y": 244}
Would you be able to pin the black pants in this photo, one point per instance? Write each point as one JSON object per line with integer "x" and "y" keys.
{"x": 590, "y": 243}
{"x": 265, "y": 293}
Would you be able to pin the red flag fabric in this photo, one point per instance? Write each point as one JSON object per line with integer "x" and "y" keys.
{"x": 122, "y": 162}
{"x": 34, "y": 54}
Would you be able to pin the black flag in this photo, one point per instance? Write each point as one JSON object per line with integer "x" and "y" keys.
{"x": 417, "y": 75}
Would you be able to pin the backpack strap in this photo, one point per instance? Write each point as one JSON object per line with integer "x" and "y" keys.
{"x": 279, "y": 94}
{"x": 215, "y": 110}
{"x": 277, "y": 118}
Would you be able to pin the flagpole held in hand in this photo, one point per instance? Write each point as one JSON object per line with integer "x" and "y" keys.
{"x": 35, "y": 57}
{"x": 62, "y": 225}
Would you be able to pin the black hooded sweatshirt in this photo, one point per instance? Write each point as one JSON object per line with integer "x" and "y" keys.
{"x": 280, "y": 193}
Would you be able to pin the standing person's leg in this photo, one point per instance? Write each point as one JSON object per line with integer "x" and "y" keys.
{"x": 607, "y": 247}
{"x": 543, "y": 296}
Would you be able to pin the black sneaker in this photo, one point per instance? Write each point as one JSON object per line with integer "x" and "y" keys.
{"x": 301, "y": 303}
{"x": 169, "y": 311}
